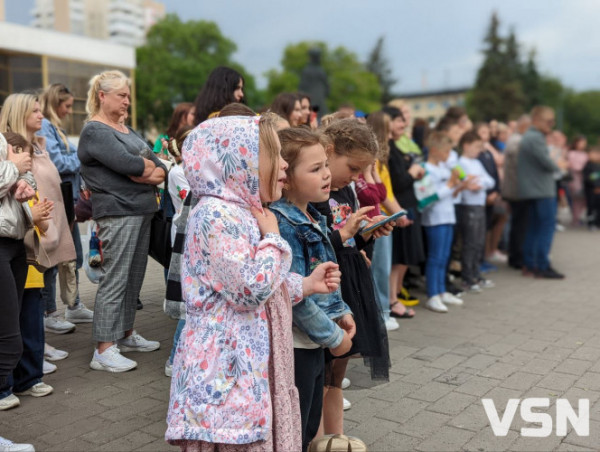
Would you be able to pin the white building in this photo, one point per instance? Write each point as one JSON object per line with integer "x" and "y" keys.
{"x": 121, "y": 21}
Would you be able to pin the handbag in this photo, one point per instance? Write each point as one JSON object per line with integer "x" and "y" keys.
{"x": 160, "y": 234}
{"x": 337, "y": 443}
{"x": 425, "y": 191}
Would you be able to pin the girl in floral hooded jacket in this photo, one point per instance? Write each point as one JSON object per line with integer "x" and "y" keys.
{"x": 233, "y": 379}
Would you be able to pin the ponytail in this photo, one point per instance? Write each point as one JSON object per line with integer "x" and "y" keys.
{"x": 106, "y": 81}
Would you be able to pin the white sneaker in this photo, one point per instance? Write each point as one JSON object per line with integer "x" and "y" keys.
{"x": 435, "y": 304}
{"x": 346, "y": 383}
{"x": 48, "y": 368}
{"x": 7, "y": 445}
{"x": 169, "y": 368}
{"x": 37, "y": 390}
{"x": 136, "y": 343}
{"x": 53, "y": 354}
{"x": 79, "y": 314}
{"x": 448, "y": 298}
{"x": 9, "y": 402}
{"x": 391, "y": 324}
{"x": 474, "y": 288}
{"x": 55, "y": 324}
{"x": 497, "y": 256}
{"x": 486, "y": 283}
{"x": 347, "y": 404}
{"x": 111, "y": 360}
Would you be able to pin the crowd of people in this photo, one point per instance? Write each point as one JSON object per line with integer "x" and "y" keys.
{"x": 294, "y": 239}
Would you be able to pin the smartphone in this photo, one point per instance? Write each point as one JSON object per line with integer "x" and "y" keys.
{"x": 386, "y": 220}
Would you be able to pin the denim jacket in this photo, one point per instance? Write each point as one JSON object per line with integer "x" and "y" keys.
{"x": 314, "y": 315}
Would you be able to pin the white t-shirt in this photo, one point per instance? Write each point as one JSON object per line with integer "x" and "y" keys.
{"x": 442, "y": 210}
{"x": 475, "y": 167}
{"x": 178, "y": 187}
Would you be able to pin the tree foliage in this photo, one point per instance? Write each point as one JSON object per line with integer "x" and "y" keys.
{"x": 174, "y": 63}
{"x": 349, "y": 79}
{"x": 379, "y": 65}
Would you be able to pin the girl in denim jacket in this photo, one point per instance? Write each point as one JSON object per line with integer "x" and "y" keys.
{"x": 320, "y": 321}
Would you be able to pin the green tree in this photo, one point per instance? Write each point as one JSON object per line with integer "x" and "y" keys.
{"x": 498, "y": 91}
{"x": 379, "y": 65}
{"x": 349, "y": 79}
{"x": 174, "y": 63}
{"x": 582, "y": 114}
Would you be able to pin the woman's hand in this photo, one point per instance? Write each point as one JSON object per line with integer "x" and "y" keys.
{"x": 267, "y": 221}
{"x": 149, "y": 167}
{"x": 23, "y": 191}
{"x": 353, "y": 222}
{"x": 22, "y": 160}
{"x": 324, "y": 279}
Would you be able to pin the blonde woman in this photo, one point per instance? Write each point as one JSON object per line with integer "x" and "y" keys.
{"x": 57, "y": 103}
{"x": 121, "y": 172}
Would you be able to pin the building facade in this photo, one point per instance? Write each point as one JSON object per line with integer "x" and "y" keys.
{"x": 432, "y": 105}
{"x": 31, "y": 59}
{"x": 121, "y": 21}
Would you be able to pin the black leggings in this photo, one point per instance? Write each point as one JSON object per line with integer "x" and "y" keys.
{"x": 13, "y": 272}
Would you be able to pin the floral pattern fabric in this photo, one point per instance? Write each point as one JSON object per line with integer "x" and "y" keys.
{"x": 221, "y": 373}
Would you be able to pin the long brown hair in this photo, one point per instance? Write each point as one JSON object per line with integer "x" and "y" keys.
{"x": 50, "y": 100}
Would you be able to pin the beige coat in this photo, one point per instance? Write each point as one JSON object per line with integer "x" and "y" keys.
{"x": 48, "y": 183}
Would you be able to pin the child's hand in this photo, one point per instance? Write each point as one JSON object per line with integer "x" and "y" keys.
{"x": 267, "y": 221}
{"x": 386, "y": 229}
{"x": 346, "y": 322}
{"x": 454, "y": 178}
{"x": 375, "y": 174}
{"x": 40, "y": 211}
{"x": 366, "y": 258}
{"x": 472, "y": 183}
{"x": 491, "y": 198}
{"x": 403, "y": 222}
{"x": 344, "y": 347}
{"x": 324, "y": 279}
{"x": 416, "y": 171}
{"x": 353, "y": 222}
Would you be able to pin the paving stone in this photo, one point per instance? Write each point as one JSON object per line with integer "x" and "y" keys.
{"x": 393, "y": 442}
{"x": 477, "y": 386}
{"x": 557, "y": 381}
{"x": 589, "y": 380}
{"x": 539, "y": 366}
{"x": 372, "y": 429}
{"x": 429, "y": 353}
{"x": 424, "y": 424}
{"x": 446, "y": 439}
{"x": 400, "y": 412}
{"x": 499, "y": 371}
{"x": 473, "y": 418}
{"x": 521, "y": 380}
{"x": 431, "y": 391}
{"x": 452, "y": 403}
{"x": 586, "y": 353}
{"x": 423, "y": 375}
{"x": 573, "y": 366}
{"x": 485, "y": 440}
{"x": 479, "y": 361}
{"x": 591, "y": 441}
{"x": 447, "y": 361}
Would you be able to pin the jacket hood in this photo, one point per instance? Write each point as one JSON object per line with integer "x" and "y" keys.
{"x": 220, "y": 159}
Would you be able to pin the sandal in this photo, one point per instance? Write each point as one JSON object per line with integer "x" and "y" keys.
{"x": 406, "y": 298}
{"x": 407, "y": 314}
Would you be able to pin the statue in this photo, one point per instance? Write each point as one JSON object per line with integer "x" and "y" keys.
{"x": 313, "y": 81}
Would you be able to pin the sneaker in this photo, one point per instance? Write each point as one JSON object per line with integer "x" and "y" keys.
{"x": 169, "y": 368}
{"x": 486, "y": 267}
{"x": 497, "y": 256}
{"x": 139, "y": 305}
{"x": 346, "y": 383}
{"x": 435, "y": 304}
{"x": 54, "y": 324}
{"x": 486, "y": 283}
{"x": 111, "y": 360}
{"x": 53, "y": 354}
{"x": 347, "y": 404}
{"x": 549, "y": 274}
{"x": 79, "y": 314}
{"x": 560, "y": 228}
{"x": 454, "y": 289}
{"x": 136, "y": 343}
{"x": 37, "y": 390}
{"x": 473, "y": 288}
{"x": 448, "y": 298}
{"x": 48, "y": 368}
{"x": 391, "y": 324}
{"x": 7, "y": 445}
{"x": 9, "y": 402}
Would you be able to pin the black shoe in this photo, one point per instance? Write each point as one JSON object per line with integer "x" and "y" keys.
{"x": 139, "y": 305}
{"x": 453, "y": 289}
{"x": 550, "y": 273}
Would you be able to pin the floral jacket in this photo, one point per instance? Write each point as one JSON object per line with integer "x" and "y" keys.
{"x": 220, "y": 388}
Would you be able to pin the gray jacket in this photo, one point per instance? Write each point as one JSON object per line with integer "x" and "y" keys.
{"x": 535, "y": 168}
{"x": 15, "y": 218}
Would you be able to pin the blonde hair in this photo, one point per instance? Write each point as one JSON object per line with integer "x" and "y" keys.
{"x": 438, "y": 140}
{"x": 379, "y": 122}
{"x": 268, "y": 142}
{"x": 350, "y": 137}
{"x": 106, "y": 81}
{"x": 15, "y": 111}
{"x": 50, "y": 100}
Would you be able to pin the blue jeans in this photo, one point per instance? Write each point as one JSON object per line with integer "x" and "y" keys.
{"x": 29, "y": 370}
{"x": 381, "y": 265}
{"x": 180, "y": 326}
{"x": 49, "y": 290}
{"x": 439, "y": 245}
{"x": 540, "y": 232}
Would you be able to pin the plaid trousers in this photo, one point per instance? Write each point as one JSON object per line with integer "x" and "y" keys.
{"x": 125, "y": 241}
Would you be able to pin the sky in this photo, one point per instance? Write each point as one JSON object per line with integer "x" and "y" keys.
{"x": 431, "y": 44}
